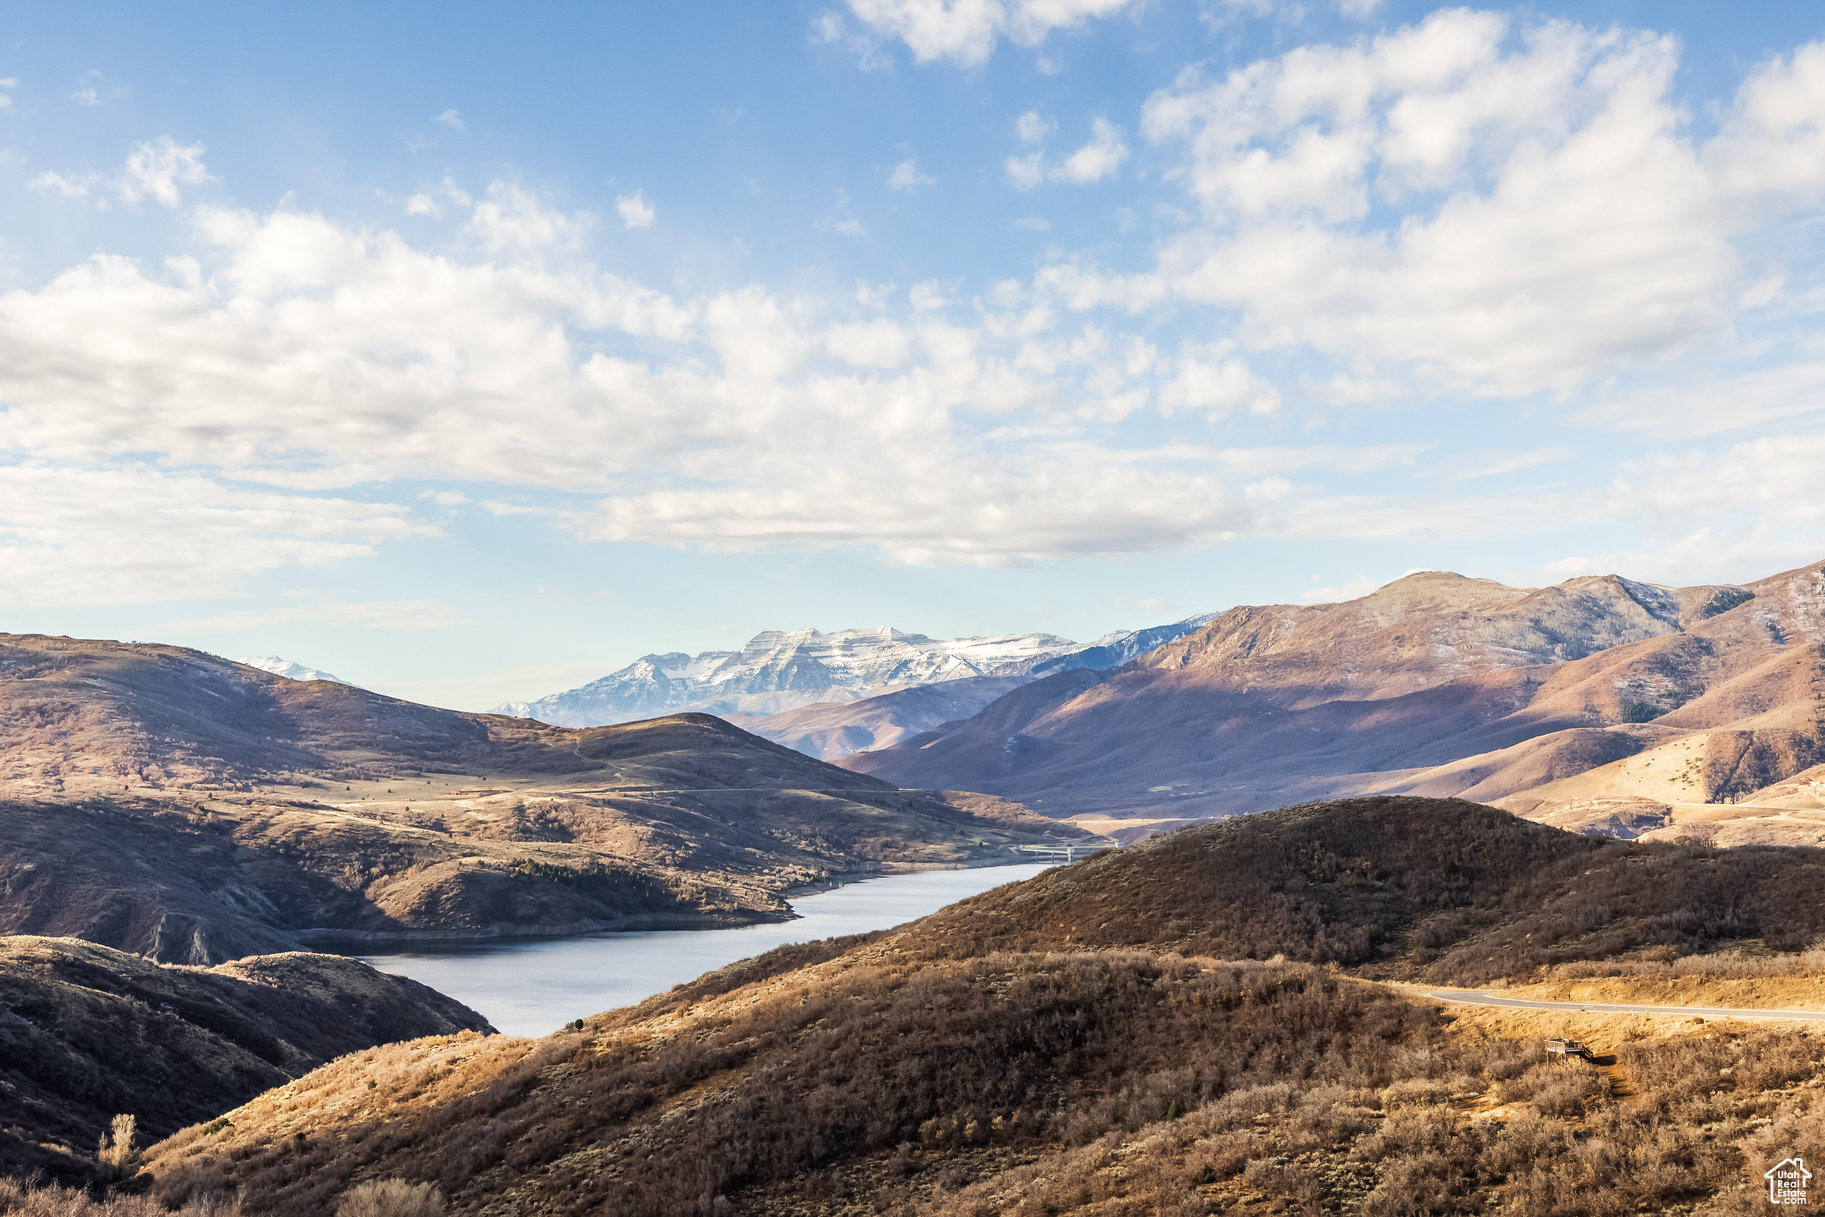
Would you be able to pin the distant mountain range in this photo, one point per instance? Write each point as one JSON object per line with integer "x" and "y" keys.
{"x": 291, "y": 669}
{"x": 1603, "y": 704}
{"x": 779, "y": 671}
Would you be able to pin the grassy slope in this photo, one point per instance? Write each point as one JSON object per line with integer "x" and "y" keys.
{"x": 1015, "y": 1054}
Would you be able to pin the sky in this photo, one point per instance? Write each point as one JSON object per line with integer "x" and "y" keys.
{"x": 472, "y": 351}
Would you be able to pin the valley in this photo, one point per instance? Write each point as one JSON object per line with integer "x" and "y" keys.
{"x": 194, "y": 810}
{"x": 1224, "y": 1017}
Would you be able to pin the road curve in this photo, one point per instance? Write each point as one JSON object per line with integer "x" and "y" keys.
{"x": 1476, "y": 997}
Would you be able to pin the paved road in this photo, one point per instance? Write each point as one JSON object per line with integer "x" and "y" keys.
{"x": 1475, "y": 997}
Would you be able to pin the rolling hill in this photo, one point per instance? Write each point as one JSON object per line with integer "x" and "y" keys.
{"x": 1065, "y": 1045}
{"x": 87, "y": 1033}
{"x": 168, "y": 802}
{"x": 1607, "y": 703}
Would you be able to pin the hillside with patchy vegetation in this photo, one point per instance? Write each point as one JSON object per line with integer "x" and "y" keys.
{"x": 188, "y": 808}
{"x": 88, "y": 1033}
{"x": 1037, "y": 1050}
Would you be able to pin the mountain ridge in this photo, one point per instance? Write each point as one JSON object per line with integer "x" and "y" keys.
{"x": 779, "y": 672}
{"x": 1433, "y": 684}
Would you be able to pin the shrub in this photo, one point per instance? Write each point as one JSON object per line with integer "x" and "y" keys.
{"x": 116, "y": 1151}
{"x": 391, "y": 1198}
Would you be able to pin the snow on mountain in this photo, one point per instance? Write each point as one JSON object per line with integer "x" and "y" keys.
{"x": 1115, "y": 649}
{"x": 291, "y": 669}
{"x": 777, "y": 671}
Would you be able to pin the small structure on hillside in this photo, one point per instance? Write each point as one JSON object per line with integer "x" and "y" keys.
{"x": 1562, "y": 1049}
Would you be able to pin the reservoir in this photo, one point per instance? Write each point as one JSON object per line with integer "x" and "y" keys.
{"x": 534, "y": 987}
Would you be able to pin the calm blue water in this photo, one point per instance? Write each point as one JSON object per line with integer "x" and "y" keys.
{"x": 531, "y": 988}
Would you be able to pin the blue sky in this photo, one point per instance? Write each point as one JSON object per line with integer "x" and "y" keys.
{"x": 470, "y": 352}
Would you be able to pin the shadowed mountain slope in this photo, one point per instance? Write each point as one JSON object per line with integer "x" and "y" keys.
{"x": 169, "y": 802}
{"x": 996, "y": 1058}
{"x": 87, "y": 1033}
{"x": 1435, "y": 684}
{"x": 1441, "y": 890}
{"x": 836, "y": 729}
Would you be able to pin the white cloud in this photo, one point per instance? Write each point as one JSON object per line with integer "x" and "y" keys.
{"x": 635, "y": 210}
{"x": 1032, "y": 127}
{"x": 125, "y": 535}
{"x": 423, "y": 205}
{"x": 1026, "y": 172}
{"x": 159, "y": 169}
{"x": 374, "y": 362}
{"x": 1716, "y": 512}
{"x": 906, "y": 176}
{"x": 452, "y": 119}
{"x": 1212, "y": 380}
{"x": 56, "y": 183}
{"x": 878, "y": 344}
{"x": 840, "y": 220}
{"x": 1096, "y": 160}
{"x": 964, "y": 32}
{"x": 1034, "y": 223}
{"x": 1549, "y": 217}
{"x": 511, "y": 217}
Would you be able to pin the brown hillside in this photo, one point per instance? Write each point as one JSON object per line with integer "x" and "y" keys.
{"x": 167, "y": 802}
{"x": 87, "y": 1032}
{"x": 998, "y": 1058}
{"x": 1435, "y": 684}
{"x": 1439, "y": 890}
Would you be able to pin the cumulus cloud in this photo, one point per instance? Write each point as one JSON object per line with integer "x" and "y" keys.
{"x": 1546, "y": 215}
{"x": 1094, "y": 161}
{"x": 452, "y": 119}
{"x": 965, "y": 32}
{"x": 737, "y": 420}
{"x": 1475, "y": 204}
{"x": 635, "y": 210}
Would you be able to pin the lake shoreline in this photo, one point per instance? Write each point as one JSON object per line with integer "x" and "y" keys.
{"x": 532, "y": 986}
{"x": 361, "y": 943}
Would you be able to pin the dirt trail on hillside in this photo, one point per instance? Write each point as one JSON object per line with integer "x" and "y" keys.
{"x": 1474, "y": 997}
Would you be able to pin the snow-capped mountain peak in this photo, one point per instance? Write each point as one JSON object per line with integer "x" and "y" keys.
{"x": 291, "y": 669}
{"x": 778, "y": 670}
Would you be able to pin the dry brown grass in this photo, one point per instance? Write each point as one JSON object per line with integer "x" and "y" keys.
{"x": 23, "y": 1199}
